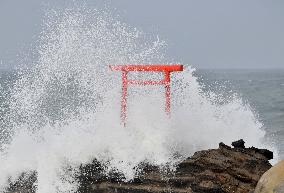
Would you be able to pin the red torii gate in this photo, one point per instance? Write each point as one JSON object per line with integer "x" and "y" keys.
{"x": 167, "y": 69}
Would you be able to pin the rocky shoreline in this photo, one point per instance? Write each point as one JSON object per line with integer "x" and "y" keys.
{"x": 224, "y": 170}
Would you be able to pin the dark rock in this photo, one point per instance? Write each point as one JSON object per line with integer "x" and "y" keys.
{"x": 222, "y": 170}
{"x": 223, "y": 145}
{"x": 268, "y": 154}
{"x": 239, "y": 144}
{"x": 24, "y": 184}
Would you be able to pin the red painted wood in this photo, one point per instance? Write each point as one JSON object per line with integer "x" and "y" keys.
{"x": 146, "y": 82}
{"x": 168, "y": 92}
{"x": 166, "y": 69}
{"x": 147, "y": 67}
{"x": 124, "y": 96}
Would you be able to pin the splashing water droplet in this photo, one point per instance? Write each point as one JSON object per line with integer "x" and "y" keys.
{"x": 64, "y": 111}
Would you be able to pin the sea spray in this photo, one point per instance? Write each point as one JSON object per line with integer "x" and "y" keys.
{"x": 65, "y": 108}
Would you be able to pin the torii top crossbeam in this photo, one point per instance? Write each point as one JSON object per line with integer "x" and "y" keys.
{"x": 167, "y": 69}
{"x": 141, "y": 67}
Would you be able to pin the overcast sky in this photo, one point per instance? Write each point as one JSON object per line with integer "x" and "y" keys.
{"x": 205, "y": 33}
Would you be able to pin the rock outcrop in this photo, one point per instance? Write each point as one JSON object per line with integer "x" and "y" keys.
{"x": 272, "y": 181}
{"x": 222, "y": 170}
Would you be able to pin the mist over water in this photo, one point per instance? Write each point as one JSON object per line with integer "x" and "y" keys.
{"x": 64, "y": 110}
{"x": 261, "y": 89}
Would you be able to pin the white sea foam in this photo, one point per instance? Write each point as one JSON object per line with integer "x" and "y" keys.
{"x": 65, "y": 110}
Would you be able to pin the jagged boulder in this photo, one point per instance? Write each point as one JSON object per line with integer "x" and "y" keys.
{"x": 272, "y": 181}
{"x": 222, "y": 170}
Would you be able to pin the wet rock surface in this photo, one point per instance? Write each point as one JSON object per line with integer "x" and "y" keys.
{"x": 222, "y": 170}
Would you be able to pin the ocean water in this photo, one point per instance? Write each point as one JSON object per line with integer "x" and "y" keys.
{"x": 63, "y": 109}
{"x": 263, "y": 89}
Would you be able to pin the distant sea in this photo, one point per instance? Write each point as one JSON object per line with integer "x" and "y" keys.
{"x": 263, "y": 90}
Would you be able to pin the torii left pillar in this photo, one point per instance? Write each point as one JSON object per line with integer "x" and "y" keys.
{"x": 166, "y": 69}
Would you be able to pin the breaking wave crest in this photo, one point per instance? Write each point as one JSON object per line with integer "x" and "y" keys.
{"x": 65, "y": 108}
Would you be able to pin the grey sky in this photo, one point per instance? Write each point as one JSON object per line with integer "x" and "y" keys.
{"x": 205, "y": 33}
